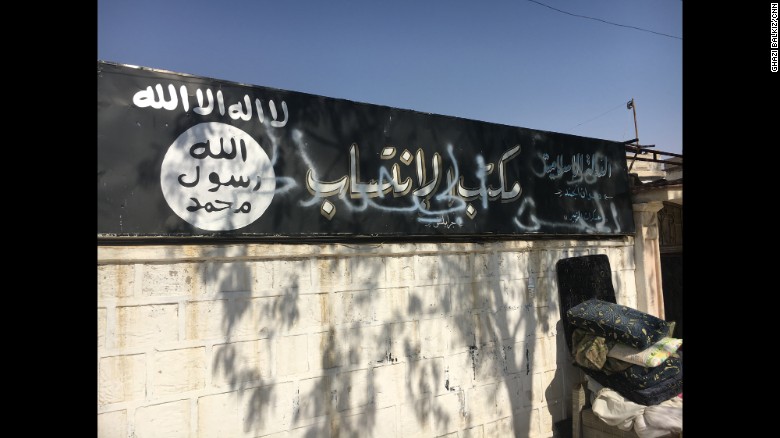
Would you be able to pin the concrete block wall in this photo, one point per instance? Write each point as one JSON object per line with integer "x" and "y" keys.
{"x": 396, "y": 340}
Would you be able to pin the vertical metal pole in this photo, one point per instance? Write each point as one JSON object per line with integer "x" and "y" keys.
{"x": 636, "y": 133}
{"x": 636, "y": 130}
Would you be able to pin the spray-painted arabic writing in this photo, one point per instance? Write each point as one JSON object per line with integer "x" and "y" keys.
{"x": 587, "y": 168}
{"x": 456, "y": 195}
{"x": 581, "y": 193}
{"x": 588, "y": 216}
{"x": 217, "y": 177}
{"x": 155, "y": 98}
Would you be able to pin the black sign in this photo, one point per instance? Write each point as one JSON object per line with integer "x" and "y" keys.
{"x": 180, "y": 155}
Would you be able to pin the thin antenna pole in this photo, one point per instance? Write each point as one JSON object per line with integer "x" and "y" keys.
{"x": 636, "y": 130}
{"x": 632, "y": 106}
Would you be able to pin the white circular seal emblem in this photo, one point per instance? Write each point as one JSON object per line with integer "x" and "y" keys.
{"x": 217, "y": 177}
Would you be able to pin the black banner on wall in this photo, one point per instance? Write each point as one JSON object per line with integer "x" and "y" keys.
{"x": 182, "y": 156}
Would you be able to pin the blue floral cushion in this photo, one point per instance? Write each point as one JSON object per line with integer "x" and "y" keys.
{"x": 646, "y": 386}
{"x": 619, "y": 323}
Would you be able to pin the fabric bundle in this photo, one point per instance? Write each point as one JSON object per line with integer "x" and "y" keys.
{"x": 627, "y": 350}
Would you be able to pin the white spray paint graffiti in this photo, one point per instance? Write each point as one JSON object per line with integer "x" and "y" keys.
{"x": 598, "y": 162}
{"x": 526, "y": 219}
{"x": 455, "y": 194}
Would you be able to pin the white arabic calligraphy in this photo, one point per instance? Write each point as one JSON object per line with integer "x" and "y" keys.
{"x": 154, "y": 97}
{"x": 455, "y": 194}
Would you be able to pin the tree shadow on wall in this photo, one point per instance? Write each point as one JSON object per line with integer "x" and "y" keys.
{"x": 465, "y": 338}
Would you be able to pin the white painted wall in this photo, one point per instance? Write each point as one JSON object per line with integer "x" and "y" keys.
{"x": 396, "y": 340}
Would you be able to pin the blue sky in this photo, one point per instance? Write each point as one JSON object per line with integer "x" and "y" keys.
{"x": 510, "y": 62}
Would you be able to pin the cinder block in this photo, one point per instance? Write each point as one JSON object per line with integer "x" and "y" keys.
{"x": 319, "y": 429}
{"x": 514, "y": 293}
{"x": 553, "y": 387}
{"x": 486, "y": 265}
{"x": 115, "y": 281}
{"x": 354, "y": 389}
{"x": 526, "y": 423}
{"x": 262, "y": 278}
{"x": 416, "y": 418}
{"x": 547, "y": 319}
{"x": 112, "y": 425}
{"x": 354, "y": 425}
{"x": 327, "y": 349}
{"x": 424, "y": 377}
{"x": 241, "y": 362}
{"x": 624, "y": 283}
{"x": 218, "y": 416}
{"x": 178, "y": 371}
{"x": 548, "y": 259}
{"x": 547, "y": 291}
{"x": 513, "y": 320}
{"x": 367, "y": 345}
{"x": 501, "y": 428}
{"x": 519, "y": 357}
{"x": 455, "y": 266}
{"x": 228, "y": 277}
{"x": 388, "y": 385}
{"x": 539, "y": 356}
{"x": 434, "y": 337}
{"x": 449, "y": 413}
{"x": 385, "y": 423}
{"x": 399, "y": 270}
{"x": 427, "y": 269}
{"x": 381, "y": 423}
{"x": 509, "y": 396}
{"x": 474, "y": 432}
{"x": 430, "y": 301}
{"x": 101, "y": 328}
{"x": 534, "y": 264}
{"x": 220, "y": 319}
{"x": 556, "y": 350}
{"x": 292, "y": 356}
{"x": 489, "y": 364}
{"x": 138, "y": 326}
{"x": 121, "y": 378}
{"x": 292, "y": 313}
{"x": 317, "y": 397}
{"x": 533, "y": 394}
{"x": 481, "y": 403}
{"x": 488, "y": 327}
{"x": 354, "y": 307}
{"x": 392, "y": 305}
{"x": 167, "y": 420}
{"x": 546, "y": 418}
{"x": 333, "y": 274}
{"x": 366, "y": 272}
{"x": 290, "y": 274}
{"x": 545, "y": 287}
{"x": 465, "y": 297}
{"x": 463, "y": 333}
{"x": 621, "y": 258}
{"x": 529, "y": 327}
{"x": 267, "y": 409}
{"x": 513, "y": 265}
{"x": 404, "y": 340}
{"x": 486, "y": 294}
{"x": 460, "y": 370}
{"x": 171, "y": 280}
